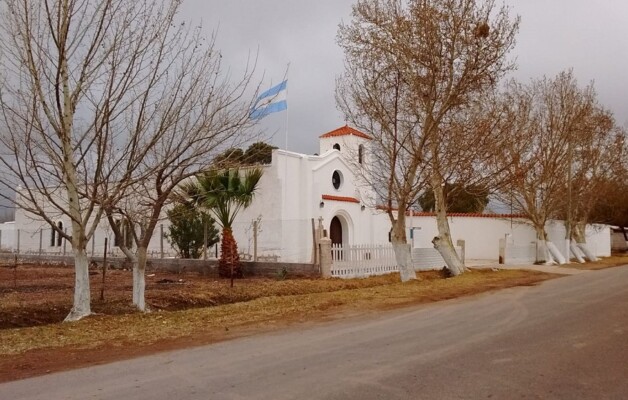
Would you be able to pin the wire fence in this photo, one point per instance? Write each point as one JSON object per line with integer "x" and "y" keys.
{"x": 275, "y": 240}
{"x": 47, "y": 241}
{"x": 257, "y": 240}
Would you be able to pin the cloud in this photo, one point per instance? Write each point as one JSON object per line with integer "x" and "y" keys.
{"x": 590, "y": 37}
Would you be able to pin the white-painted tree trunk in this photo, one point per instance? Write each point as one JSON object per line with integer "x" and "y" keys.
{"x": 567, "y": 248}
{"x": 404, "y": 261}
{"x": 448, "y": 252}
{"x": 581, "y": 240}
{"x": 443, "y": 242}
{"x": 575, "y": 250}
{"x": 543, "y": 254}
{"x": 555, "y": 253}
{"x": 402, "y": 248}
{"x": 82, "y": 294}
{"x": 587, "y": 252}
{"x": 139, "y": 279}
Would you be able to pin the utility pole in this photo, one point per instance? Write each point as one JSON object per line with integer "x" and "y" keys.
{"x": 569, "y": 188}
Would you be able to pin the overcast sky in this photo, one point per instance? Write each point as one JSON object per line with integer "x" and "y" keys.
{"x": 589, "y": 36}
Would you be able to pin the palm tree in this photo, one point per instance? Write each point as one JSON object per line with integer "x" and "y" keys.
{"x": 224, "y": 193}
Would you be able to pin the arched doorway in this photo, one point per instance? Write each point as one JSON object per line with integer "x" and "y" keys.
{"x": 335, "y": 234}
{"x": 335, "y": 231}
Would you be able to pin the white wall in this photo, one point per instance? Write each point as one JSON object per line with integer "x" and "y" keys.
{"x": 290, "y": 196}
{"x": 598, "y": 237}
{"x": 33, "y": 235}
{"x": 7, "y": 236}
{"x": 481, "y": 234}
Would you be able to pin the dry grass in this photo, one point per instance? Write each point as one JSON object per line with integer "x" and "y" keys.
{"x": 607, "y": 262}
{"x": 273, "y": 303}
{"x": 34, "y": 295}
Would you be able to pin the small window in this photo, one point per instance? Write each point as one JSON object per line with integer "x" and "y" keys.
{"x": 336, "y": 179}
{"x": 337, "y": 146}
{"x": 360, "y": 153}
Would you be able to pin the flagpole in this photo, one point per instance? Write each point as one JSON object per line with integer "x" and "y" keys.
{"x": 285, "y": 172}
{"x": 288, "y": 108}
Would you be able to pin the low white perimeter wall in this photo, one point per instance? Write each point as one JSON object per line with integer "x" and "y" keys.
{"x": 481, "y": 234}
{"x": 424, "y": 259}
{"x": 598, "y": 237}
{"x": 7, "y": 236}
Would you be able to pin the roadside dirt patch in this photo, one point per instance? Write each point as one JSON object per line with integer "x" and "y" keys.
{"x": 253, "y": 306}
{"x": 32, "y": 295}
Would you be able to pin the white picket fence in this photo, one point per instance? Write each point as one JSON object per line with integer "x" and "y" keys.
{"x": 361, "y": 261}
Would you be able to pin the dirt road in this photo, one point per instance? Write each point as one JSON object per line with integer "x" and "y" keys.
{"x": 564, "y": 339}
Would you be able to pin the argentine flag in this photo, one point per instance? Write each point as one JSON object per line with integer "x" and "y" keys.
{"x": 270, "y": 101}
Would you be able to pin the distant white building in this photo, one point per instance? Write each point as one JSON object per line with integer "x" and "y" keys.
{"x": 295, "y": 191}
{"x": 7, "y": 236}
{"x": 298, "y": 193}
{"x": 299, "y": 190}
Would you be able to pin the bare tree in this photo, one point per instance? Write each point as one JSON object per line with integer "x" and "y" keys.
{"x": 54, "y": 55}
{"x": 612, "y": 203}
{"x": 195, "y": 113}
{"x": 411, "y": 68}
{"x": 594, "y": 158}
{"x": 550, "y": 118}
{"x": 94, "y": 97}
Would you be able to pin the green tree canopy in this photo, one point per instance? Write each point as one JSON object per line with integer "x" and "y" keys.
{"x": 259, "y": 153}
{"x": 458, "y": 198}
{"x": 229, "y": 158}
{"x": 224, "y": 193}
{"x": 187, "y": 230}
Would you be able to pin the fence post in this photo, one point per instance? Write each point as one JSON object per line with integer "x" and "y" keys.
{"x": 65, "y": 241}
{"x": 104, "y": 272}
{"x": 502, "y": 251}
{"x": 255, "y": 240}
{"x": 313, "y": 257}
{"x": 0, "y": 239}
{"x": 460, "y": 243}
{"x": 325, "y": 257}
{"x": 18, "y": 241}
{"x": 161, "y": 241}
{"x": 41, "y": 232}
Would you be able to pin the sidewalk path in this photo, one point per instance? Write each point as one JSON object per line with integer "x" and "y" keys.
{"x": 551, "y": 269}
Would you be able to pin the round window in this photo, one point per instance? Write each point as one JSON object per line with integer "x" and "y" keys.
{"x": 336, "y": 179}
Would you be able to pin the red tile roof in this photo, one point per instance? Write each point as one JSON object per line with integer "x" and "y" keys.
{"x": 340, "y": 198}
{"x": 346, "y": 130}
{"x": 474, "y": 215}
